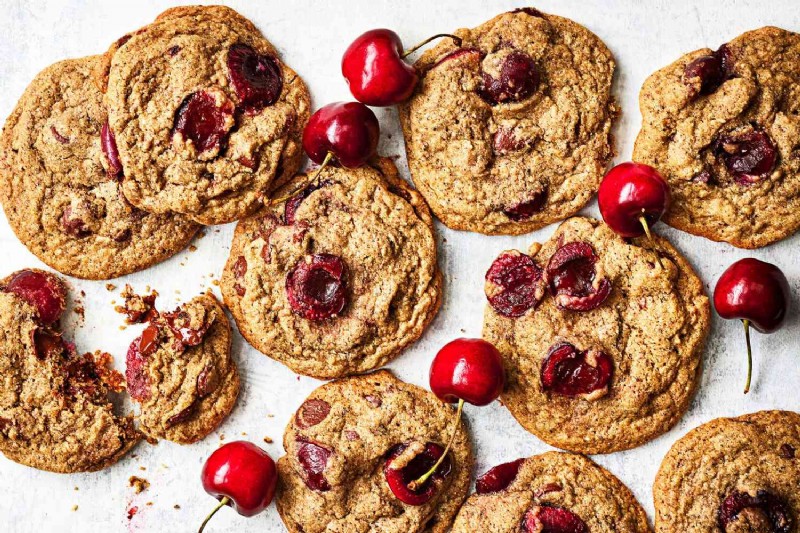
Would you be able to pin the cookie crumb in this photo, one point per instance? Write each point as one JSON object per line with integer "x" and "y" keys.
{"x": 192, "y": 248}
{"x": 222, "y": 436}
{"x": 76, "y": 488}
{"x": 142, "y": 468}
{"x": 176, "y": 506}
{"x": 137, "y": 308}
{"x": 215, "y": 283}
{"x": 139, "y": 484}
{"x": 74, "y": 508}
{"x": 132, "y": 512}
{"x": 110, "y": 287}
{"x": 244, "y": 433}
{"x": 268, "y": 440}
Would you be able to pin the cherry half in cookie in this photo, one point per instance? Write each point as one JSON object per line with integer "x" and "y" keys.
{"x": 705, "y": 74}
{"x": 570, "y": 372}
{"x": 313, "y": 459}
{"x": 762, "y": 512}
{"x": 256, "y": 78}
{"x": 204, "y": 119}
{"x": 498, "y": 478}
{"x": 41, "y": 290}
{"x": 526, "y": 208}
{"x": 574, "y": 279}
{"x": 749, "y": 157}
{"x": 108, "y": 144}
{"x": 519, "y": 78}
{"x": 633, "y": 197}
{"x": 317, "y": 287}
{"x": 551, "y": 519}
{"x": 514, "y": 284}
{"x": 756, "y": 293}
{"x": 406, "y": 464}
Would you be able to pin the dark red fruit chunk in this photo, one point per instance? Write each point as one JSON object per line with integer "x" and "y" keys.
{"x": 179, "y": 322}
{"x": 313, "y": 459}
{"x": 520, "y": 282}
{"x": 58, "y": 137}
{"x": 764, "y": 512}
{"x": 207, "y": 381}
{"x": 316, "y": 287}
{"x": 399, "y": 478}
{"x": 749, "y": 157}
{"x": 532, "y": 11}
{"x": 571, "y": 372}
{"x": 311, "y": 413}
{"x": 505, "y": 142}
{"x": 256, "y": 78}
{"x": 293, "y": 203}
{"x": 572, "y": 277}
{"x": 49, "y": 345}
{"x": 498, "y": 478}
{"x": 73, "y": 225}
{"x": 706, "y": 73}
{"x": 548, "y": 519}
{"x": 200, "y": 120}
{"x": 527, "y": 208}
{"x": 518, "y": 79}
{"x": 136, "y": 363}
{"x": 108, "y": 143}
{"x": 41, "y": 290}
{"x": 182, "y": 416}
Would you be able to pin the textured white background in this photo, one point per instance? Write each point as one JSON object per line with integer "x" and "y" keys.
{"x": 311, "y": 37}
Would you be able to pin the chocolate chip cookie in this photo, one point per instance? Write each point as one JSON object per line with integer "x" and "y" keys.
{"x": 354, "y": 446}
{"x": 62, "y": 195}
{"x": 602, "y": 338}
{"x": 55, "y": 411}
{"x": 340, "y": 277}
{"x": 181, "y": 373}
{"x": 722, "y": 127}
{"x": 555, "y": 491}
{"x": 205, "y": 115}
{"x": 511, "y": 130}
{"x": 733, "y": 475}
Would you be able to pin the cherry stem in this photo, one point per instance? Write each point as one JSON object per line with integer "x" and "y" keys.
{"x": 456, "y": 40}
{"x": 328, "y": 157}
{"x": 222, "y": 503}
{"x": 749, "y": 355}
{"x": 646, "y": 227}
{"x": 414, "y": 485}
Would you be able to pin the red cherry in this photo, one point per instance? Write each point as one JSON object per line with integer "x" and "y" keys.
{"x": 108, "y": 144}
{"x": 570, "y": 372}
{"x": 401, "y": 480}
{"x": 313, "y": 458}
{"x": 467, "y": 369}
{"x": 749, "y": 157}
{"x": 256, "y": 78}
{"x": 551, "y": 519}
{"x": 498, "y": 478}
{"x": 204, "y": 121}
{"x": 317, "y": 286}
{"x": 42, "y": 290}
{"x": 514, "y": 284}
{"x": 573, "y": 278}
{"x": 242, "y": 475}
{"x": 632, "y": 198}
{"x": 756, "y": 293}
{"x": 347, "y": 131}
{"x": 767, "y": 510}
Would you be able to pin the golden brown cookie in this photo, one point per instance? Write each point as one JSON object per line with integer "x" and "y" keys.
{"x": 733, "y": 475}
{"x": 341, "y": 446}
{"x": 722, "y": 128}
{"x": 511, "y": 130}
{"x": 602, "y": 338}
{"x": 554, "y": 491}
{"x": 339, "y": 278}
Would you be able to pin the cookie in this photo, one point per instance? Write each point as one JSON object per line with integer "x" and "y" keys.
{"x": 722, "y": 128}
{"x": 180, "y": 372}
{"x": 61, "y": 196}
{"x": 341, "y": 277}
{"x": 732, "y": 475}
{"x": 349, "y": 438}
{"x": 205, "y": 115}
{"x": 554, "y": 491}
{"x": 55, "y": 411}
{"x": 511, "y": 130}
{"x": 602, "y": 338}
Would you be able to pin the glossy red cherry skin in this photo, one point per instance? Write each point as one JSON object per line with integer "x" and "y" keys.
{"x": 349, "y": 130}
{"x": 753, "y": 290}
{"x": 469, "y": 370}
{"x": 629, "y": 191}
{"x": 244, "y": 473}
{"x": 374, "y": 70}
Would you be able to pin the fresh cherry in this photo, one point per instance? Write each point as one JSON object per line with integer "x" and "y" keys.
{"x": 317, "y": 286}
{"x": 375, "y": 68}
{"x": 551, "y": 519}
{"x": 514, "y": 284}
{"x": 498, "y": 478}
{"x": 416, "y": 461}
{"x": 256, "y": 78}
{"x": 749, "y": 157}
{"x": 40, "y": 289}
{"x": 756, "y": 293}
{"x": 633, "y": 197}
{"x": 346, "y": 131}
{"x": 519, "y": 78}
{"x": 573, "y": 277}
{"x": 571, "y": 372}
{"x": 764, "y": 512}
{"x": 242, "y": 475}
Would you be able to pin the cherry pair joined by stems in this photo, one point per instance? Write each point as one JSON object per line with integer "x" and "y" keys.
{"x": 632, "y": 197}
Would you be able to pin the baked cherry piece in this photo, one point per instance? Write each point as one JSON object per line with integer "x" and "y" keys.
{"x": 416, "y": 460}
{"x": 570, "y": 372}
{"x": 574, "y": 280}
{"x": 514, "y": 284}
{"x": 317, "y": 286}
{"x": 633, "y": 197}
{"x": 527, "y": 208}
{"x": 375, "y": 69}
{"x": 749, "y": 157}
{"x": 293, "y": 203}
{"x": 550, "y": 519}
{"x": 256, "y": 78}
{"x": 203, "y": 120}
{"x": 498, "y": 478}
{"x": 519, "y": 78}
{"x": 764, "y": 512}
{"x": 43, "y": 291}
{"x": 108, "y": 143}
{"x": 758, "y": 294}
{"x": 313, "y": 458}
{"x": 705, "y": 74}
{"x": 136, "y": 363}
{"x": 242, "y": 475}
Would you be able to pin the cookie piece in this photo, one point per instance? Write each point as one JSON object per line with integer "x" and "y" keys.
{"x": 180, "y": 372}
{"x": 55, "y": 412}
{"x": 732, "y": 475}
{"x": 511, "y": 131}
{"x": 341, "y": 277}
{"x": 554, "y": 491}
{"x": 334, "y": 474}
{"x": 61, "y": 196}
{"x": 602, "y": 339}
{"x": 220, "y": 114}
{"x": 722, "y": 128}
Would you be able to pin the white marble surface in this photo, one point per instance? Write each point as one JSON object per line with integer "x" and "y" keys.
{"x": 311, "y": 37}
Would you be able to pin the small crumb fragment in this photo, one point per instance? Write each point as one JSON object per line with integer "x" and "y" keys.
{"x": 176, "y": 506}
{"x": 110, "y": 287}
{"x": 149, "y": 504}
{"x": 268, "y": 440}
{"x": 244, "y": 433}
{"x": 74, "y": 508}
{"x": 142, "y": 468}
{"x": 139, "y": 484}
{"x": 270, "y": 415}
{"x": 76, "y": 488}
{"x": 215, "y": 283}
{"x": 222, "y": 436}
{"x": 137, "y": 308}
{"x": 192, "y": 248}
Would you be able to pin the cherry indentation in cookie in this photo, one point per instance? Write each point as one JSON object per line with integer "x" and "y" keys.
{"x": 519, "y": 78}
{"x": 180, "y": 324}
{"x": 316, "y": 287}
{"x": 108, "y": 143}
{"x": 764, "y": 512}
{"x": 200, "y": 120}
{"x": 313, "y": 459}
{"x": 571, "y": 372}
{"x": 527, "y": 208}
{"x": 460, "y": 53}
{"x": 551, "y": 519}
{"x": 293, "y": 203}
{"x": 49, "y": 344}
{"x": 749, "y": 157}
{"x": 256, "y": 78}
{"x": 58, "y": 137}
{"x": 41, "y": 290}
{"x": 136, "y": 363}
{"x": 516, "y": 282}
{"x": 573, "y": 279}
{"x": 505, "y": 141}
{"x": 207, "y": 381}
{"x": 311, "y": 413}
{"x": 498, "y": 478}
{"x": 413, "y": 465}
{"x": 705, "y": 74}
